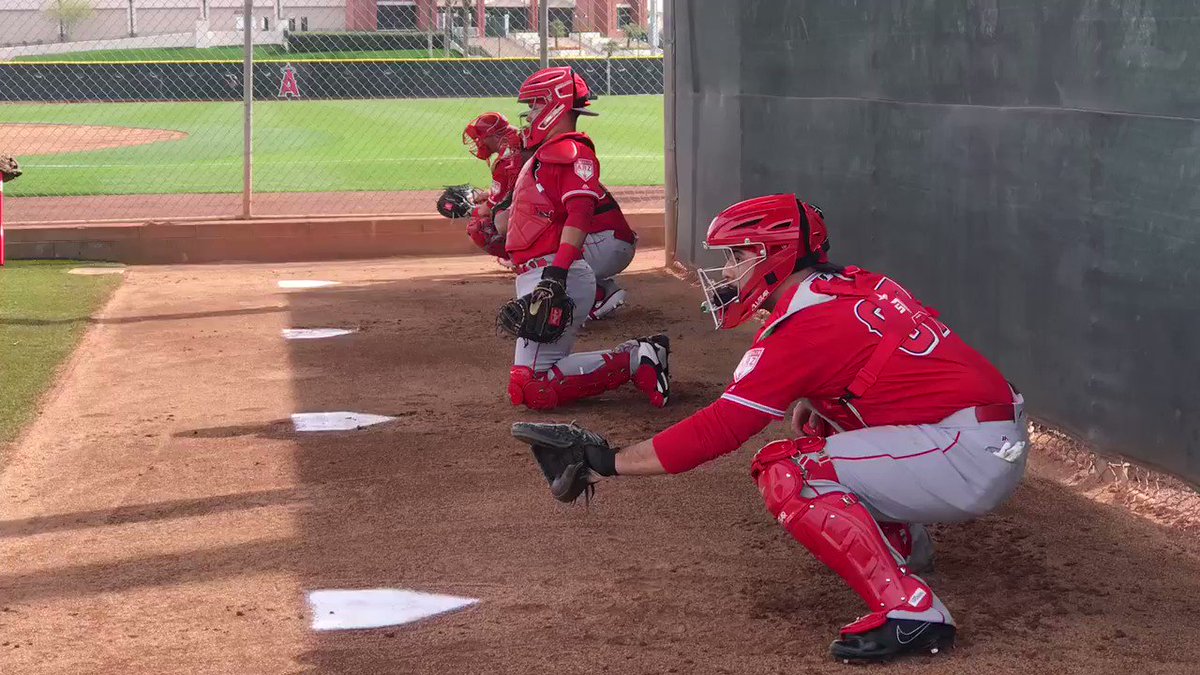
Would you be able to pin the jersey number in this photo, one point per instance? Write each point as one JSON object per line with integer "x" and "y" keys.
{"x": 923, "y": 340}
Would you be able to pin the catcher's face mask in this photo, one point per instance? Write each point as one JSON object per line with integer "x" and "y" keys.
{"x": 723, "y": 286}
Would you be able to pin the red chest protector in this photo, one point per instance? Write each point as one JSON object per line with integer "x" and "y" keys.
{"x": 889, "y": 311}
{"x": 533, "y": 211}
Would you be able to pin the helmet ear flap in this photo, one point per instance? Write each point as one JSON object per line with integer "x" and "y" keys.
{"x": 808, "y": 257}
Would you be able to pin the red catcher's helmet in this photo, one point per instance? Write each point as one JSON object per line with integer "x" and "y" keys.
{"x": 487, "y": 125}
{"x": 765, "y": 239}
{"x": 550, "y": 93}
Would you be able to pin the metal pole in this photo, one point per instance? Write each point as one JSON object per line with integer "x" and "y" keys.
{"x": 671, "y": 207}
{"x": 544, "y": 31}
{"x": 652, "y": 28}
{"x": 248, "y": 107}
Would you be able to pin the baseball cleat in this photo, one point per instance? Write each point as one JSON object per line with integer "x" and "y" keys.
{"x": 605, "y": 306}
{"x": 897, "y": 637}
{"x": 653, "y": 374}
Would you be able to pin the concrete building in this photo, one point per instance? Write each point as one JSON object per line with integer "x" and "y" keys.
{"x": 133, "y": 24}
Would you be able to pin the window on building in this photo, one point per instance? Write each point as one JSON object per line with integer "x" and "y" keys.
{"x": 304, "y": 23}
{"x": 266, "y": 21}
{"x": 564, "y": 14}
{"x": 291, "y": 25}
{"x": 624, "y": 16}
{"x": 396, "y": 17}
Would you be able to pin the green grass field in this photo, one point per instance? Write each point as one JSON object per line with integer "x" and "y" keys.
{"x": 313, "y": 146}
{"x": 43, "y": 312}
{"x": 261, "y": 52}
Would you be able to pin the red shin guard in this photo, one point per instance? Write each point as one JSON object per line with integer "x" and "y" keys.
{"x": 835, "y": 527}
{"x": 548, "y": 390}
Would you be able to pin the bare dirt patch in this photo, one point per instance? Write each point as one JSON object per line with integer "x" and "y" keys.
{"x": 24, "y": 140}
{"x": 162, "y": 516}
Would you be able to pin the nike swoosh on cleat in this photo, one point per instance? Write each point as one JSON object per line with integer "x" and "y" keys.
{"x": 904, "y": 637}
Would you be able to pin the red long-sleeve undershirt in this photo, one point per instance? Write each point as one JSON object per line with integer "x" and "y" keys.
{"x": 711, "y": 432}
{"x": 579, "y": 215}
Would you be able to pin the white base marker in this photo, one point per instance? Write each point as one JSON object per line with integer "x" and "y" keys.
{"x": 96, "y": 271}
{"x": 306, "y": 283}
{"x": 313, "y": 333}
{"x": 336, "y": 421}
{"x": 375, "y": 608}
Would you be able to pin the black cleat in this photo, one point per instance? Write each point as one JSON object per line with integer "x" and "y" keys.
{"x": 897, "y": 637}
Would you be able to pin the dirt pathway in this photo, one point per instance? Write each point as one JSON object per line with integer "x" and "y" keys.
{"x": 162, "y": 516}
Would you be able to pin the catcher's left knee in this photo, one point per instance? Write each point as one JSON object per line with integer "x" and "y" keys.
{"x": 782, "y": 470}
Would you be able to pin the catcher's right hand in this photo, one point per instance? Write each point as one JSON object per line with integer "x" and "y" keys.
{"x": 570, "y": 457}
{"x": 9, "y": 169}
{"x": 483, "y": 232}
{"x": 456, "y": 201}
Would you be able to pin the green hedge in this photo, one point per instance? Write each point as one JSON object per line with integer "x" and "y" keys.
{"x": 305, "y": 42}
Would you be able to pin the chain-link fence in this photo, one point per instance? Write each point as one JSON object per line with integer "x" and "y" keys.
{"x": 1116, "y": 480}
{"x": 136, "y": 109}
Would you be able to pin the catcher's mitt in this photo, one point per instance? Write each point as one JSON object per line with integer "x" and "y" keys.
{"x": 456, "y": 201}
{"x": 538, "y": 320}
{"x": 9, "y": 169}
{"x": 570, "y": 457}
{"x": 545, "y": 314}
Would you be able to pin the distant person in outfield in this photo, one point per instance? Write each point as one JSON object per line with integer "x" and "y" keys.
{"x": 565, "y": 232}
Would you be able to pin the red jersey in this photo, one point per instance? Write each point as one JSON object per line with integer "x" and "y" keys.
{"x": 815, "y": 345}
{"x": 564, "y": 167}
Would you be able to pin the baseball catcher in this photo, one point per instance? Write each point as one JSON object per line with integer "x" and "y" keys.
{"x": 557, "y": 201}
{"x": 9, "y": 169}
{"x": 898, "y": 421}
{"x": 492, "y": 139}
{"x": 609, "y": 244}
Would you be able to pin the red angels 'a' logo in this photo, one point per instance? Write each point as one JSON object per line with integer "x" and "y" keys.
{"x": 288, "y": 87}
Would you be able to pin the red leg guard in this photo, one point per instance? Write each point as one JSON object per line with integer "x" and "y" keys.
{"x": 835, "y": 527}
{"x": 545, "y": 391}
{"x": 899, "y": 537}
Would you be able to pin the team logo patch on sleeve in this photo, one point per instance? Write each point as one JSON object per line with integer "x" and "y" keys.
{"x": 749, "y": 361}
{"x": 585, "y": 169}
{"x": 495, "y": 187}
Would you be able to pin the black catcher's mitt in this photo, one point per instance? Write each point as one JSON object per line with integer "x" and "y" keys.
{"x": 542, "y": 321}
{"x": 456, "y": 201}
{"x": 9, "y": 169}
{"x": 542, "y": 316}
{"x": 570, "y": 457}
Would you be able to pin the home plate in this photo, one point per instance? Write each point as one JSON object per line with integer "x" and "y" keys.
{"x": 375, "y": 608}
{"x": 306, "y": 283}
{"x": 336, "y": 421}
{"x": 313, "y": 333}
